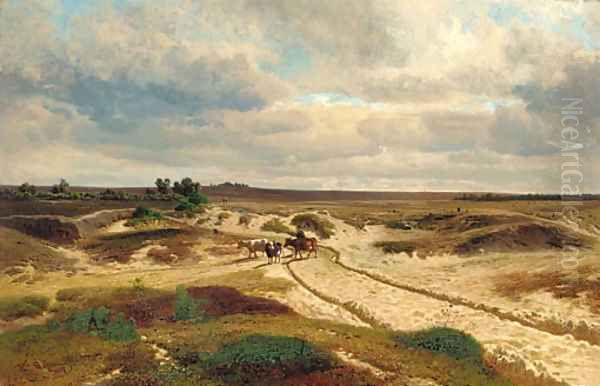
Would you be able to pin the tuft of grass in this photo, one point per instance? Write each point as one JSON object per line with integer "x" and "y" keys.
{"x": 28, "y": 306}
{"x": 309, "y": 221}
{"x": 262, "y": 357}
{"x": 397, "y": 224}
{"x": 101, "y": 322}
{"x": 186, "y": 307}
{"x": 143, "y": 216}
{"x": 245, "y": 220}
{"x": 224, "y": 216}
{"x": 443, "y": 340}
{"x": 277, "y": 226}
{"x": 394, "y": 247}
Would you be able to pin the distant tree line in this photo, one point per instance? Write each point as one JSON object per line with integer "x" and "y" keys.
{"x": 186, "y": 190}
{"x": 228, "y": 185}
{"x": 526, "y": 197}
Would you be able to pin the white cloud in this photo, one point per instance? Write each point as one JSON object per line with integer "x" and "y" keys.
{"x": 436, "y": 94}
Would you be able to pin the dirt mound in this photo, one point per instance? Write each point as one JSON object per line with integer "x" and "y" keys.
{"x": 228, "y": 301}
{"x": 47, "y": 228}
{"x": 520, "y": 237}
{"x": 18, "y": 250}
{"x": 90, "y": 223}
{"x": 463, "y": 222}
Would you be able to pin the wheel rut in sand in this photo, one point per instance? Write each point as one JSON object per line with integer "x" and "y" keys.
{"x": 540, "y": 356}
{"x": 550, "y": 328}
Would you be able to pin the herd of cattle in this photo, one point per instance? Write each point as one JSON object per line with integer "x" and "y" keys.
{"x": 274, "y": 250}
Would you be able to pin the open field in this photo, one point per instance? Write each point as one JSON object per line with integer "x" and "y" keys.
{"x": 404, "y": 291}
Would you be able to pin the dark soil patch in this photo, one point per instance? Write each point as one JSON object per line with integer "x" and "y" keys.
{"x": 338, "y": 376}
{"x": 561, "y": 285}
{"x": 146, "y": 310}
{"x": 521, "y": 238}
{"x": 227, "y": 301}
{"x": 46, "y": 228}
{"x": 311, "y": 222}
{"x": 394, "y": 247}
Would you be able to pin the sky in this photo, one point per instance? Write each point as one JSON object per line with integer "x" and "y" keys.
{"x": 436, "y": 95}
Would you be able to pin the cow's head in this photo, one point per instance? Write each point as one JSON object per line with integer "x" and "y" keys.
{"x": 241, "y": 244}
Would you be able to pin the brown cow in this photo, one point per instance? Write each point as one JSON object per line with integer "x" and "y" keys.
{"x": 302, "y": 244}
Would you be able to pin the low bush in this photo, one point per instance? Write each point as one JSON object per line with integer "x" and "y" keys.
{"x": 143, "y": 215}
{"x": 28, "y": 306}
{"x": 185, "y": 206}
{"x": 245, "y": 220}
{"x": 262, "y": 357}
{"x": 197, "y": 198}
{"x": 277, "y": 226}
{"x": 101, "y": 322}
{"x": 186, "y": 307}
{"x": 398, "y": 224}
{"x": 443, "y": 340}
{"x": 393, "y": 247}
{"x": 309, "y": 221}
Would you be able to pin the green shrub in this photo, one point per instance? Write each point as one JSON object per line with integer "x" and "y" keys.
{"x": 309, "y": 221}
{"x": 444, "y": 340}
{"x": 38, "y": 301}
{"x": 185, "y": 205}
{"x": 197, "y": 198}
{"x": 143, "y": 215}
{"x": 186, "y": 307}
{"x": 28, "y": 306}
{"x": 120, "y": 330}
{"x": 277, "y": 226}
{"x": 98, "y": 322}
{"x": 257, "y": 357}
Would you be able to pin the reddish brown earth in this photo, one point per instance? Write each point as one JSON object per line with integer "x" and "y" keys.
{"x": 228, "y": 301}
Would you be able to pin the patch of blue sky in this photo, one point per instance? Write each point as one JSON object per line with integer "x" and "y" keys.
{"x": 495, "y": 104}
{"x": 73, "y": 8}
{"x": 503, "y": 13}
{"x": 294, "y": 60}
{"x": 579, "y": 31}
{"x": 333, "y": 98}
{"x": 572, "y": 25}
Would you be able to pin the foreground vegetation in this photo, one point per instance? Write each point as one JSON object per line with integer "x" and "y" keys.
{"x": 215, "y": 335}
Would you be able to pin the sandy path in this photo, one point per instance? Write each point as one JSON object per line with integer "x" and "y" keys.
{"x": 544, "y": 354}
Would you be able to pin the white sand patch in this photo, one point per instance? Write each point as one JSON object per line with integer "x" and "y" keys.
{"x": 117, "y": 227}
{"x": 561, "y": 357}
{"x": 309, "y": 305}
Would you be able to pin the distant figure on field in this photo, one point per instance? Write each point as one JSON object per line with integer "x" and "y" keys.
{"x": 270, "y": 251}
{"x": 278, "y": 251}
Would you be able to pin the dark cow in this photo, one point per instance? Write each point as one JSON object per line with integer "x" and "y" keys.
{"x": 302, "y": 244}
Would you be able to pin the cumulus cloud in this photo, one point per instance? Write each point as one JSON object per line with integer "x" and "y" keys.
{"x": 442, "y": 95}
